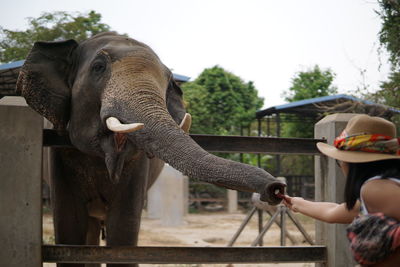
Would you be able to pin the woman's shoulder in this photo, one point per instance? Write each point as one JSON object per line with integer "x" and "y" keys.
{"x": 382, "y": 195}
{"x": 375, "y": 182}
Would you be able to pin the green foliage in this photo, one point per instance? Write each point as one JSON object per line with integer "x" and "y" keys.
{"x": 15, "y": 45}
{"x": 297, "y": 165}
{"x": 389, "y": 94}
{"x": 311, "y": 83}
{"x": 307, "y": 84}
{"x": 390, "y": 31}
{"x": 220, "y": 102}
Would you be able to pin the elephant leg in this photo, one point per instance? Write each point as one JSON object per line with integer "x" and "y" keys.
{"x": 70, "y": 224}
{"x": 93, "y": 233}
{"x": 123, "y": 218}
{"x": 69, "y": 213}
{"x": 93, "y": 236}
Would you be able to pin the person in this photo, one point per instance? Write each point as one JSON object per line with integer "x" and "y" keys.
{"x": 368, "y": 153}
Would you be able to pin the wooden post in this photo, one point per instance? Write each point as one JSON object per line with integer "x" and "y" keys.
{"x": 329, "y": 186}
{"x": 21, "y": 133}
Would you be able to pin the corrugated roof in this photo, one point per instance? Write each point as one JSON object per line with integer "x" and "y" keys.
{"x": 181, "y": 78}
{"x": 12, "y": 65}
{"x": 311, "y": 107}
{"x": 8, "y": 77}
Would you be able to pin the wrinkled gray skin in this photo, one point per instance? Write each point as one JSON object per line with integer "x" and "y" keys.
{"x": 77, "y": 87}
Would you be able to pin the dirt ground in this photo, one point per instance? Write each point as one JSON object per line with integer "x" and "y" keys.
{"x": 205, "y": 230}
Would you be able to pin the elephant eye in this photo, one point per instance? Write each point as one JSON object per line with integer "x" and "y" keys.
{"x": 98, "y": 67}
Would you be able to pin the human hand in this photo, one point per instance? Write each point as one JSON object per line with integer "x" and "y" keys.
{"x": 292, "y": 202}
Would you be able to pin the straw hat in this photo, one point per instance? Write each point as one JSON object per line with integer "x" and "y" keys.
{"x": 364, "y": 126}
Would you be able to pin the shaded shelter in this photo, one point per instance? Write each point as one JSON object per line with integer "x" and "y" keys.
{"x": 313, "y": 109}
{"x": 310, "y": 111}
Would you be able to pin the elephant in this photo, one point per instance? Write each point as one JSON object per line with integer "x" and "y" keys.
{"x": 125, "y": 116}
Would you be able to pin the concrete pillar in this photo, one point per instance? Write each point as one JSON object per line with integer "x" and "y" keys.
{"x": 185, "y": 184}
{"x": 232, "y": 200}
{"x": 154, "y": 199}
{"x": 329, "y": 186}
{"x": 168, "y": 197}
{"x": 20, "y": 184}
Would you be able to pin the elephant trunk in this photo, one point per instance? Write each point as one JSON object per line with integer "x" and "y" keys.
{"x": 162, "y": 137}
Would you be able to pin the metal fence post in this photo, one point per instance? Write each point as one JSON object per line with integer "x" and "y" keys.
{"x": 21, "y": 132}
{"x": 329, "y": 186}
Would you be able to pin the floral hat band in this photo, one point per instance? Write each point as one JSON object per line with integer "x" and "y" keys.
{"x": 364, "y": 139}
{"x": 373, "y": 143}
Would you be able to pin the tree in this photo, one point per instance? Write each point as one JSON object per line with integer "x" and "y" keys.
{"x": 221, "y": 102}
{"x": 389, "y": 33}
{"x": 15, "y": 45}
{"x": 305, "y": 84}
{"x": 311, "y": 83}
{"x": 308, "y": 84}
{"x": 389, "y": 93}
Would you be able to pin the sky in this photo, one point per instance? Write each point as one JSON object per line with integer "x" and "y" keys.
{"x": 264, "y": 41}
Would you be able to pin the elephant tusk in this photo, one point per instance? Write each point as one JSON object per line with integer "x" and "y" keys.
{"x": 113, "y": 124}
{"x": 186, "y": 123}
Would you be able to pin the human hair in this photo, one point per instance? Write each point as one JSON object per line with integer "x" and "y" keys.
{"x": 360, "y": 172}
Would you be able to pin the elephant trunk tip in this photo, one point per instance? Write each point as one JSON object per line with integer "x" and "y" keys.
{"x": 272, "y": 192}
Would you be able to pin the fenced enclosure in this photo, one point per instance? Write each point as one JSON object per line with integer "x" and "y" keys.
{"x": 21, "y": 140}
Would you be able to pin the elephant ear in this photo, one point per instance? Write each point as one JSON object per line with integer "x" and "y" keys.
{"x": 44, "y": 80}
{"x": 175, "y": 103}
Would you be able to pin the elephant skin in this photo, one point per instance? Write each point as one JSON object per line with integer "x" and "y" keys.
{"x": 78, "y": 87}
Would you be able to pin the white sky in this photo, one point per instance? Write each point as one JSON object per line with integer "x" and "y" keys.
{"x": 264, "y": 41}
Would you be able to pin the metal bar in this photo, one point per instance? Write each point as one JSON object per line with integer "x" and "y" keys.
{"x": 231, "y": 144}
{"x": 287, "y": 233}
{"x": 209, "y": 199}
{"x": 242, "y": 226}
{"x": 278, "y": 134}
{"x": 241, "y": 134}
{"x": 260, "y": 226}
{"x": 283, "y": 225}
{"x": 265, "y": 229}
{"x": 183, "y": 255}
{"x": 8, "y": 83}
{"x": 259, "y": 134}
{"x": 300, "y": 227}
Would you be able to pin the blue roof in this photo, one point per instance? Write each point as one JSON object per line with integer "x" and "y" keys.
{"x": 12, "y": 65}
{"x": 181, "y": 78}
{"x": 309, "y": 105}
{"x": 321, "y": 99}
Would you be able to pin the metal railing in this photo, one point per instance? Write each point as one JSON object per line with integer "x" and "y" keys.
{"x": 197, "y": 255}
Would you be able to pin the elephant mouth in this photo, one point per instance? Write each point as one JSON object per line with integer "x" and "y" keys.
{"x": 120, "y": 141}
{"x": 117, "y": 148}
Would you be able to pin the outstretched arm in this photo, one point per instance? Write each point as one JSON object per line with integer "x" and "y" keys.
{"x": 324, "y": 211}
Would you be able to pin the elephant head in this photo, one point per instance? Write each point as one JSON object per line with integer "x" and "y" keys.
{"x": 116, "y": 99}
